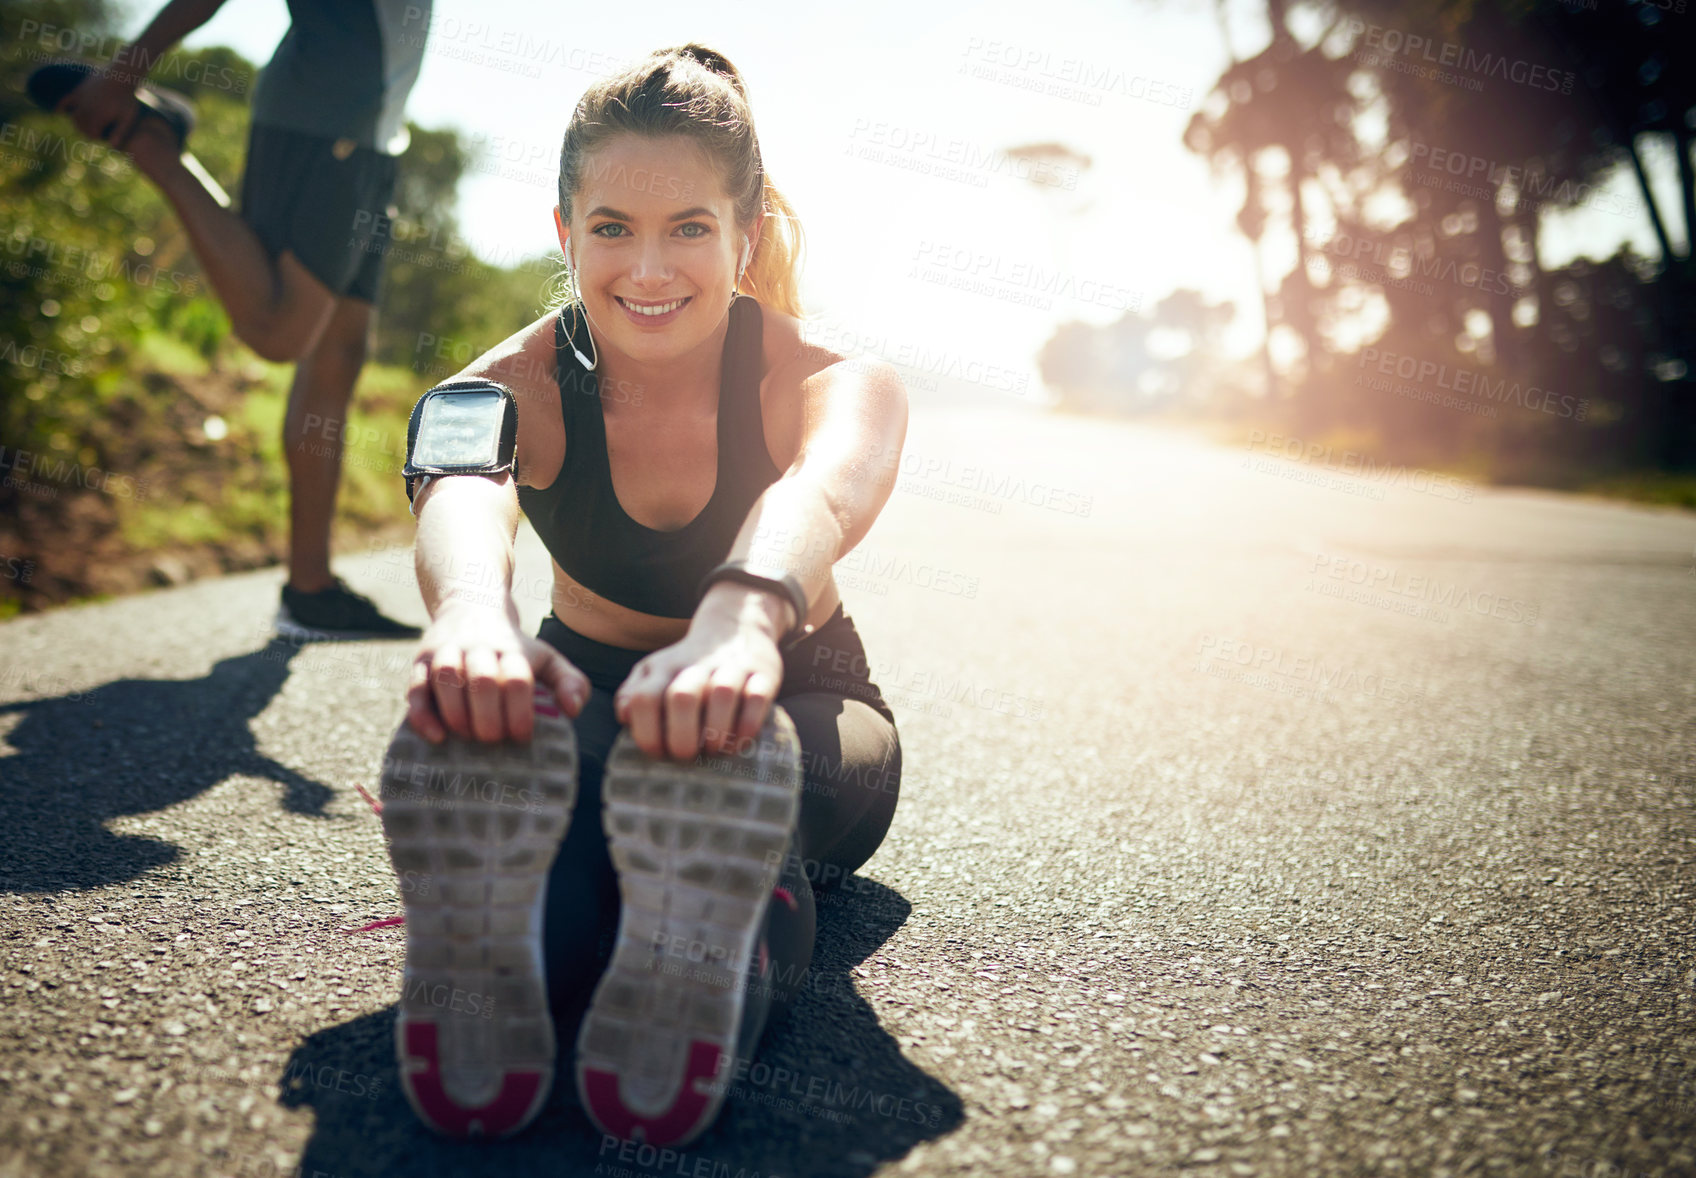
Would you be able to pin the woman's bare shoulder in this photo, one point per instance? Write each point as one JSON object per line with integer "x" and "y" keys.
{"x": 523, "y": 361}
{"x": 793, "y": 350}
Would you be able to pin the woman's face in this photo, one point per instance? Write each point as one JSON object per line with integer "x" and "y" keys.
{"x": 655, "y": 243}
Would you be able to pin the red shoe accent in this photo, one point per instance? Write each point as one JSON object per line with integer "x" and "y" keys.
{"x": 376, "y": 806}
{"x": 390, "y": 922}
{"x": 606, "y": 1103}
{"x": 787, "y": 897}
{"x": 509, "y": 1110}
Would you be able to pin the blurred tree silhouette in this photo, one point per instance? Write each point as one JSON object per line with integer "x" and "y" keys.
{"x": 1140, "y": 363}
{"x": 1412, "y": 151}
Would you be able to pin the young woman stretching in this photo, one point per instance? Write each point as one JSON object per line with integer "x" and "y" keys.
{"x": 632, "y": 880}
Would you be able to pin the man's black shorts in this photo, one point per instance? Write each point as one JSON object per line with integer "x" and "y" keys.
{"x": 324, "y": 200}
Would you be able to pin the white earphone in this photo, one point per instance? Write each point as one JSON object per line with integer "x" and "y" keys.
{"x": 588, "y": 364}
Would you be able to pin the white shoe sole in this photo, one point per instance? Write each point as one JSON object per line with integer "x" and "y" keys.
{"x": 698, "y": 848}
{"x": 473, "y": 829}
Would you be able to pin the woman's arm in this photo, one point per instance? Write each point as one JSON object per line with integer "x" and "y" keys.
{"x": 716, "y": 687}
{"x": 476, "y": 670}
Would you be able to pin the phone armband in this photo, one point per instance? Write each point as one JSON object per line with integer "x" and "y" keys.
{"x": 461, "y": 427}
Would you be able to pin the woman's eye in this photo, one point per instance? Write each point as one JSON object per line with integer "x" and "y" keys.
{"x": 699, "y": 230}
{"x": 610, "y": 229}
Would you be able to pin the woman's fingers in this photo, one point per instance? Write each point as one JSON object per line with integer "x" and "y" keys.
{"x": 517, "y": 690}
{"x": 758, "y": 694}
{"x": 638, "y": 706}
{"x": 570, "y": 687}
{"x": 684, "y": 696}
{"x": 483, "y": 693}
{"x": 723, "y": 703}
{"x": 420, "y": 707}
{"x": 447, "y": 683}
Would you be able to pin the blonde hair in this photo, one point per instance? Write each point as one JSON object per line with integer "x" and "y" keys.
{"x": 695, "y": 91}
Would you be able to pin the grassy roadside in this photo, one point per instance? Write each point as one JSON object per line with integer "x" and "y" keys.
{"x": 194, "y": 482}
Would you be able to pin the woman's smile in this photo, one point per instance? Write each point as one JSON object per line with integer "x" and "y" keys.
{"x": 648, "y": 313}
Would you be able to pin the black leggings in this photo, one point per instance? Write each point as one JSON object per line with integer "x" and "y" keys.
{"x": 851, "y": 769}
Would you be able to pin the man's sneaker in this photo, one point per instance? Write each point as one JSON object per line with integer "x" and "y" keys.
{"x": 472, "y": 830}
{"x": 697, "y": 847}
{"x": 335, "y": 613}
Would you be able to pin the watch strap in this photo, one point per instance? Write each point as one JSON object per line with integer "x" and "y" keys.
{"x": 784, "y": 584}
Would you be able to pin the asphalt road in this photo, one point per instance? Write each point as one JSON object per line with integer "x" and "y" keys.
{"x": 1258, "y": 818}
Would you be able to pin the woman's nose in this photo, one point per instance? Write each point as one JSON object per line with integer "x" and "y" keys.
{"x": 651, "y": 263}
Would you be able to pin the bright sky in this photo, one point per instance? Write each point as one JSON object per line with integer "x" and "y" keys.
{"x": 970, "y": 262}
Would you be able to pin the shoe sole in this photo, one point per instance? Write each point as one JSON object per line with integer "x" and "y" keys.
{"x": 698, "y": 848}
{"x": 473, "y": 830}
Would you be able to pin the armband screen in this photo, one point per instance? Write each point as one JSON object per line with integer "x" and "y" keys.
{"x": 460, "y": 429}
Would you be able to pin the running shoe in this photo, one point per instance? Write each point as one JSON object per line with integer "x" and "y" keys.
{"x": 49, "y": 84}
{"x": 698, "y": 847}
{"x": 473, "y": 829}
{"x": 335, "y": 613}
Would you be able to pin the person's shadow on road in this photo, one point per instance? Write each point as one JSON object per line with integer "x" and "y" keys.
{"x": 829, "y": 1092}
{"x": 131, "y": 746}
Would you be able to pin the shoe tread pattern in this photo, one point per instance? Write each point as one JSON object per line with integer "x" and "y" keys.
{"x": 698, "y": 847}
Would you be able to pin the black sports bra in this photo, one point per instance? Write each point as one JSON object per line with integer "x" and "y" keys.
{"x": 579, "y": 517}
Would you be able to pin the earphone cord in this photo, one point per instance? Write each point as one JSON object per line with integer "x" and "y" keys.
{"x": 576, "y": 351}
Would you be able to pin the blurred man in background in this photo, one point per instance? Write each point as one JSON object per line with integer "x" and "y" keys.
{"x": 297, "y": 268}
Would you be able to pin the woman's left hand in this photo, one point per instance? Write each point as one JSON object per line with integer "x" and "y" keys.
{"x": 715, "y": 687}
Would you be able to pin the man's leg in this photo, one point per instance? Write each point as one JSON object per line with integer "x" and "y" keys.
{"x": 276, "y": 306}
{"x": 312, "y": 437}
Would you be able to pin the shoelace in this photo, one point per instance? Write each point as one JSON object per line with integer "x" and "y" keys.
{"x": 390, "y": 922}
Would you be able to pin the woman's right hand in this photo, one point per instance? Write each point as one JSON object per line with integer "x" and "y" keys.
{"x": 475, "y": 675}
